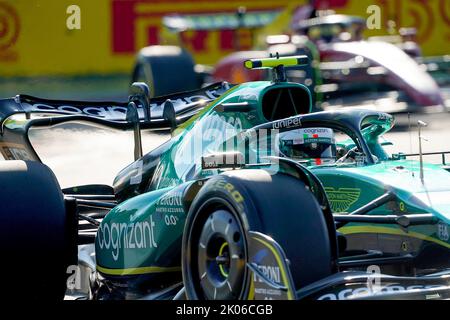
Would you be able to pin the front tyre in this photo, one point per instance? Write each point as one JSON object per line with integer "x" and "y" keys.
{"x": 215, "y": 245}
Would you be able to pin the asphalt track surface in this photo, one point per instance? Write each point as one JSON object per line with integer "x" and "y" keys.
{"x": 83, "y": 155}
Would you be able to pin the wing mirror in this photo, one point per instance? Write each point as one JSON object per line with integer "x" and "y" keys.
{"x": 139, "y": 95}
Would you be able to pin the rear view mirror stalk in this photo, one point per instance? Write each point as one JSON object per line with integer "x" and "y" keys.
{"x": 133, "y": 118}
{"x": 139, "y": 93}
{"x": 169, "y": 114}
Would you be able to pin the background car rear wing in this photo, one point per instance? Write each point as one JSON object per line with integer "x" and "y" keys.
{"x": 218, "y": 21}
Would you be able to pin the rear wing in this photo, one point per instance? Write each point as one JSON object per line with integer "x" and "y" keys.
{"x": 111, "y": 113}
{"x": 220, "y": 21}
{"x": 140, "y": 112}
{"x": 440, "y": 153}
{"x": 444, "y": 163}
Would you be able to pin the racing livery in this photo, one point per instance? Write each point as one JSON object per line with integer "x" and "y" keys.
{"x": 253, "y": 197}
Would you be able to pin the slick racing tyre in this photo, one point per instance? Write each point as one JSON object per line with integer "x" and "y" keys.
{"x": 166, "y": 70}
{"x": 36, "y": 236}
{"x": 215, "y": 238}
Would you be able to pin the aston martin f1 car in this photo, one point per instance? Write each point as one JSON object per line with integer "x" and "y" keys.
{"x": 216, "y": 212}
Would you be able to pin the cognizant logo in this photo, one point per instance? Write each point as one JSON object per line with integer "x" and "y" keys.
{"x": 135, "y": 235}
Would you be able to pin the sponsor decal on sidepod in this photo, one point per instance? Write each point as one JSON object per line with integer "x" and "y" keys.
{"x": 135, "y": 235}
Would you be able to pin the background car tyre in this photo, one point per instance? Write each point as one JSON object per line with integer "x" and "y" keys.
{"x": 165, "y": 69}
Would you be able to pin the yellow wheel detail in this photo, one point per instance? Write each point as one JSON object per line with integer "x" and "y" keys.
{"x": 221, "y": 267}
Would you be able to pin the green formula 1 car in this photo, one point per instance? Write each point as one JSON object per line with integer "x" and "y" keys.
{"x": 238, "y": 204}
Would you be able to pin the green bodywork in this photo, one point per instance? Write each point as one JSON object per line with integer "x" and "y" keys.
{"x": 142, "y": 235}
{"x": 159, "y": 210}
{"x": 350, "y": 188}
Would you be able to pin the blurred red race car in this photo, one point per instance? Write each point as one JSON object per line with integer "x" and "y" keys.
{"x": 347, "y": 70}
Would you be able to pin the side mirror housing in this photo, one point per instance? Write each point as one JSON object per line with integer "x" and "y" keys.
{"x": 140, "y": 93}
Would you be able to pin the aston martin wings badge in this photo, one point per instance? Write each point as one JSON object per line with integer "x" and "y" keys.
{"x": 341, "y": 199}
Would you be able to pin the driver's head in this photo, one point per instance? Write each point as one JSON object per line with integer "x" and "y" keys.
{"x": 317, "y": 144}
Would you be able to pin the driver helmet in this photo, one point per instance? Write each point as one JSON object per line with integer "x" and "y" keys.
{"x": 317, "y": 144}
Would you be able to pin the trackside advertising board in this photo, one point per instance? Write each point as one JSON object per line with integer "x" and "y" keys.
{"x": 72, "y": 37}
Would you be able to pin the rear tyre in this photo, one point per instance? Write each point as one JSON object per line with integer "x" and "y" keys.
{"x": 37, "y": 237}
{"x": 166, "y": 70}
{"x": 215, "y": 238}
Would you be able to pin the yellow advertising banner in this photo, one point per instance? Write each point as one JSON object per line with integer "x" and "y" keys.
{"x": 431, "y": 18}
{"x": 36, "y": 37}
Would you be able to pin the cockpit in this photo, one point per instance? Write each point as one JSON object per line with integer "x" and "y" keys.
{"x": 317, "y": 146}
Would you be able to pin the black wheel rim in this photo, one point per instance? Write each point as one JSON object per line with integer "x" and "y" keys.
{"x": 221, "y": 256}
